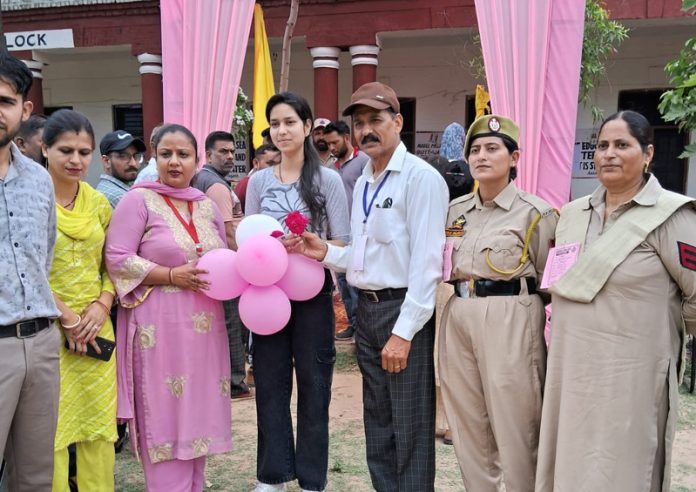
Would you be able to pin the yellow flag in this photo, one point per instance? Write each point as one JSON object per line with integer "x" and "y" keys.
{"x": 482, "y": 99}
{"x": 263, "y": 76}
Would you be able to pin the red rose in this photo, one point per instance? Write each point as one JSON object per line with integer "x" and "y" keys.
{"x": 296, "y": 222}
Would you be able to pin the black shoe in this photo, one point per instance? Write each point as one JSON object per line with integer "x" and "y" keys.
{"x": 121, "y": 441}
{"x": 241, "y": 392}
{"x": 346, "y": 335}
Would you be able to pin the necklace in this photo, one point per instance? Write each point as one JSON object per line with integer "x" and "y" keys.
{"x": 73, "y": 199}
{"x": 280, "y": 175}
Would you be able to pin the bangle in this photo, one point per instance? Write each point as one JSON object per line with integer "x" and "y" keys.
{"x": 74, "y": 325}
{"x": 171, "y": 279}
{"x": 106, "y": 308}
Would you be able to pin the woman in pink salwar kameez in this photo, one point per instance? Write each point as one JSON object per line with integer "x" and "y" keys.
{"x": 172, "y": 354}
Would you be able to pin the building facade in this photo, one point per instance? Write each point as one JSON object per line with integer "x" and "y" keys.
{"x": 112, "y": 72}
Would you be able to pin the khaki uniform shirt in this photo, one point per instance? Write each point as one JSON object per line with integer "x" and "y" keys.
{"x": 499, "y": 227}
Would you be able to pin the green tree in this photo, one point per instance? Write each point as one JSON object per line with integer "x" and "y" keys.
{"x": 601, "y": 39}
{"x": 679, "y": 104}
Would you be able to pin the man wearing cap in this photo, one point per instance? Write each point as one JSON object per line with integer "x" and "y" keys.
{"x": 122, "y": 154}
{"x": 492, "y": 355}
{"x": 395, "y": 261}
{"x": 320, "y": 142}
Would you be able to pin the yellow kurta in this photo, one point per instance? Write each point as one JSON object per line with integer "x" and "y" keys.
{"x": 87, "y": 408}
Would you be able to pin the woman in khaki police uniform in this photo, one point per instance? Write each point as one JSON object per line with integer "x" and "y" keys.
{"x": 492, "y": 351}
{"x": 619, "y": 320}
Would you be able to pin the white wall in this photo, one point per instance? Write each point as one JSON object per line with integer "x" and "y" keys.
{"x": 432, "y": 66}
{"x": 92, "y": 81}
{"x": 639, "y": 64}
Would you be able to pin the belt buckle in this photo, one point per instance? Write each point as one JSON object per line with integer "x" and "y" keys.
{"x": 18, "y": 328}
{"x": 372, "y": 296}
{"x": 463, "y": 289}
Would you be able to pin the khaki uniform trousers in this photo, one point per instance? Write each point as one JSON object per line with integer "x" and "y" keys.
{"x": 29, "y": 386}
{"x": 492, "y": 365}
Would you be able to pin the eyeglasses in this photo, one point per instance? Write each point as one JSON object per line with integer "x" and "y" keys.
{"x": 125, "y": 156}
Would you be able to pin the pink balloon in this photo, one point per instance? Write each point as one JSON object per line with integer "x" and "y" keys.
{"x": 262, "y": 260}
{"x": 224, "y": 278}
{"x": 264, "y": 310}
{"x": 303, "y": 279}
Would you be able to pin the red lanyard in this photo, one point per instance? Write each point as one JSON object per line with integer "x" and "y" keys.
{"x": 189, "y": 226}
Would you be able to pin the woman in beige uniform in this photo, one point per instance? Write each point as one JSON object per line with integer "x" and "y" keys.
{"x": 619, "y": 318}
{"x": 492, "y": 351}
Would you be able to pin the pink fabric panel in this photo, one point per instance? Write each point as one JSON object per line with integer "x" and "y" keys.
{"x": 530, "y": 49}
{"x": 560, "y": 101}
{"x": 203, "y": 47}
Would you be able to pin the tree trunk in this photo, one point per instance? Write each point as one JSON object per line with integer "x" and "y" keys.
{"x": 287, "y": 38}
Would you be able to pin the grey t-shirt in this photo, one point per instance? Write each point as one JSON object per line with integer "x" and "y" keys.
{"x": 350, "y": 172}
{"x": 266, "y": 195}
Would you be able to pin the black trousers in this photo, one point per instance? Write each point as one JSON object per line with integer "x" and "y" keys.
{"x": 235, "y": 338}
{"x": 399, "y": 409}
{"x": 305, "y": 345}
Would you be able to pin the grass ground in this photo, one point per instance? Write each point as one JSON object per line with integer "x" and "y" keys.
{"x": 236, "y": 471}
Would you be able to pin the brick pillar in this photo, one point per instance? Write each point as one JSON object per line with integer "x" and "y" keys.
{"x": 151, "y": 88}
{"x": 325, "y": 66}
{"x": 364, "y": 62}
{"x": 36, "y": 91}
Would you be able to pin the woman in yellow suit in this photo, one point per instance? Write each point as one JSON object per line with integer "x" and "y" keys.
{"x": 84, "y": 294}
{"x": 492, "y": 351}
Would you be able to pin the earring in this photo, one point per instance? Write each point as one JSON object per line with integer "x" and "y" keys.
{"x": 645, "y": 168}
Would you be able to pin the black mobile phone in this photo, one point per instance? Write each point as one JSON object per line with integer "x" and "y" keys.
{"x": 106, "y": 346}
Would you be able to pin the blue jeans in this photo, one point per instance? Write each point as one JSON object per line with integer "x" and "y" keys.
{"x": 307, "y": 345}
{"x": 349, "y": 294}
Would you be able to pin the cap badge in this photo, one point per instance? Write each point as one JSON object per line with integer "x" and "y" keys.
{"x": 121, "y": 136}
{"x": 380, "y": 97}
{"x": 494, "y": 125}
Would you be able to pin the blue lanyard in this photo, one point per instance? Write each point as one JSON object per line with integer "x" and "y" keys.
{"x": 367, "y": 209}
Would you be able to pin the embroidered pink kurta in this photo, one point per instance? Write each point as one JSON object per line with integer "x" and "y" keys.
{"x": 172, "y": 350}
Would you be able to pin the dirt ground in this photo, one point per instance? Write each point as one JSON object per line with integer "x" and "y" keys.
{"x": 236, "y": 471}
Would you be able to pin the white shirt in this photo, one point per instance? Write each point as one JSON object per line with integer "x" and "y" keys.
{"x": 148, "y": 173}
{"x": 404, "y": 242}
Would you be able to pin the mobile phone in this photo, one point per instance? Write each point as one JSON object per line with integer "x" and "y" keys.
{"x": 106, "y": 346}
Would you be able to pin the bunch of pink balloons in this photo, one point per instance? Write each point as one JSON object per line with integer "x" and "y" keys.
{"x": 262, "y": 272}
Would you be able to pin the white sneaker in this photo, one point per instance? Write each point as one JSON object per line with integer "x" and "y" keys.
{"x": 269, "y": 487}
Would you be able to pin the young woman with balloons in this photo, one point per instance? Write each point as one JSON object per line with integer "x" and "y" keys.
{"x": 173, "y": 366}
{"x": 306, "y": 344}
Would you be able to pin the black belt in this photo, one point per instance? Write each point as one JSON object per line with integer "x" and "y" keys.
{"x": 24, "y": 329}
{"x": 383, "y": 295}
{"x": 487, "y": 288}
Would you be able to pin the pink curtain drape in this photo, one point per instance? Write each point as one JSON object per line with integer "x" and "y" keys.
{"x": 532, "y": 52}
{"x": 203, "y": 47}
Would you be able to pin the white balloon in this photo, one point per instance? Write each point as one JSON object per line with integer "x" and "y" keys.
{"x": 256, "y": 224}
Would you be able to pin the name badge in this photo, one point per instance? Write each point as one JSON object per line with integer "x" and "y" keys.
{"x": 447, "y": 260}
{"x": 359, "y": 245}
{"x": 560, "y": 259}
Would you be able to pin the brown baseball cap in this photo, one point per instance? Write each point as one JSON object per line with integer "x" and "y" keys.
{"x": 375, "y": 95}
